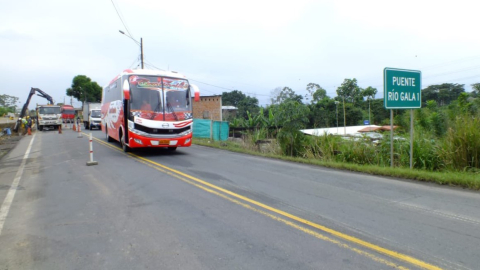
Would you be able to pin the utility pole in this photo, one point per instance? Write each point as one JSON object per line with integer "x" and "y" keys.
{"x": 141, "y": 50}
{"x": 369, "y": 121}
{"x": 336, "y": 110}
{"x": 138, "y": 43}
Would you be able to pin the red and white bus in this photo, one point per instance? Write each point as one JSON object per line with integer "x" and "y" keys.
{"x": 148, "y": 108}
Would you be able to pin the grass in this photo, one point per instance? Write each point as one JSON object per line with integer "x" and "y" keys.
{"x": 469, "y": 180}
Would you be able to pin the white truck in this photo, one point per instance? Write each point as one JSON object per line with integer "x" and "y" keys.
{"x": 91, "y": 115}
{"x": 48, "y": 116}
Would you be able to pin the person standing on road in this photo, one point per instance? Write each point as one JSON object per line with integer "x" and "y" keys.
{"x": 29, "y": 125}
{"x": 24, "y": 125}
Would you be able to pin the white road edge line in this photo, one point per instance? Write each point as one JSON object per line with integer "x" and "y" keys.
{"x": 13, "y": 188}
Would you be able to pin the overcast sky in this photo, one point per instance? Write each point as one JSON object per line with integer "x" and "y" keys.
{"x": 251, "y": 46}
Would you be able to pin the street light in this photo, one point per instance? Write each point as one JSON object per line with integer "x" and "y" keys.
{"x": 336, "y": 109}
{"x": 138, "y": 43}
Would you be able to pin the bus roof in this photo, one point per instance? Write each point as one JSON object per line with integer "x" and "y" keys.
{"x": 153, "y": 73}
{"x": 47, "y": 105}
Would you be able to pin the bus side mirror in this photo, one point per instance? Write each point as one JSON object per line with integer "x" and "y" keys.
{"x": 196, "y": 92}
{"x": 126, "y": 90}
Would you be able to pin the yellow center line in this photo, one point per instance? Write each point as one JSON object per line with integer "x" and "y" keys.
{"x": 352, "y": 239}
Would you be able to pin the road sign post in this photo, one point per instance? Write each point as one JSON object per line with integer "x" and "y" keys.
{"x": 402, "y": 90}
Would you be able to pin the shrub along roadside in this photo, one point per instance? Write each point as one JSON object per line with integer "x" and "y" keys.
{"x": 461, "y": 179}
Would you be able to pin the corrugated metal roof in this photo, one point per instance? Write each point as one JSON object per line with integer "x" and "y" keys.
{"x": 353, "y": 130}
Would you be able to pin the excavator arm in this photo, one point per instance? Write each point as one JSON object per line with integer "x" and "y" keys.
{"x": 25, "y": 106}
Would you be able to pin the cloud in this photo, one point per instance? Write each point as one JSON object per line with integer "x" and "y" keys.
{"x": 11, "y": 34}
{"x": 433, "y": 20}
{"x": 267, "y": 14}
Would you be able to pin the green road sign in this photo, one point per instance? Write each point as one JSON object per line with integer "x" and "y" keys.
{"x": 402, "y": 88}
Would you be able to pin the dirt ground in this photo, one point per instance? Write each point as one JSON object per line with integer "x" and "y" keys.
{"x": 8, "y": 142}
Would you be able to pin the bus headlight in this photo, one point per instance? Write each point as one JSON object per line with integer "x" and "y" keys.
{"x": 186, "y": 132}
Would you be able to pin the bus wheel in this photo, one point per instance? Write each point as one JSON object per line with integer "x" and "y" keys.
{"x": 172, "y": 148}
{"x": 109, "y": 139}
{"x": 124, "y": 145}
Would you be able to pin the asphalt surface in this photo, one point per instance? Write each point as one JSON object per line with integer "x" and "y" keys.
{"x": 203, "y": 208}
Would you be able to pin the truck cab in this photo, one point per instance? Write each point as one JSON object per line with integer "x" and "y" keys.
{"x": 68, "y": 113}
{"x": 94, "y": 119}
{"x": 48, "y": 116}
{"x": 92, "y": 115}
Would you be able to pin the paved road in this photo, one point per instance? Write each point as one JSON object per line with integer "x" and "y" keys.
{"x": 202, "y": 208}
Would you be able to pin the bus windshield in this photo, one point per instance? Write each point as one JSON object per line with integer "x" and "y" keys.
{"x": 158, "y": 94}
{"x": 146, "y": 93}
{"x": 176, "y": 101}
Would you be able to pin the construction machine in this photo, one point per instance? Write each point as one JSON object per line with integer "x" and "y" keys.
{"x": 24, "y": 111}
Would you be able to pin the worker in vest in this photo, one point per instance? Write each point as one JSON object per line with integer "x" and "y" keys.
{"x": 24, "y": 125}
{"x": 28, "y": 125}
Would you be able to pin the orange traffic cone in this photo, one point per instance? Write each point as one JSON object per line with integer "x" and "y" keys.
{"x": 60, "y": 129}
{"x": 29, "y": 131}
{"x": 74, "y": 128}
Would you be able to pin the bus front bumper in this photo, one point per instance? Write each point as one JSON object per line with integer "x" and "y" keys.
{"x": 136, "y": 140}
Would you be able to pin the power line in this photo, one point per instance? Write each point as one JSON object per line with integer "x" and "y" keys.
{"x": 450, "y": 62}
{"x": 134, "y": 61}
{"x": 212, "y": 85}
{"x": 150, "y": 64}
{"x": 458, "y": 79}
{"x": 121, "y": 19}
{"x": 455, "y": 71}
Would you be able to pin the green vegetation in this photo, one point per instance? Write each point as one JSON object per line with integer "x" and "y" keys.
{"x": 454, "y": 178}
{"x": 8, "y": 104}
{"x": 446, "y": 147}
{"x": 84, "y": 89}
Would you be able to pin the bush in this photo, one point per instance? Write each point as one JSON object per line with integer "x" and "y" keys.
{"x": 292, "y": 142}
{"x": 460, "y": 148}
{"x": 322, "y": 147}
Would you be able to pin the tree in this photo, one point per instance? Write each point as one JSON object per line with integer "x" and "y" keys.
{"x": 443, "y": 94}
{"x": 350, "y": 91}
{"x": 292, "y": 116}
{"x": 274, "y": 94}
{"x": 243, "y": 102}
{"x": 316, "y": 92}
{"x": 8, "y": 101}
{"x": 380, "y": 114}
{"x": 323, "y": 113}
{"x": 369, "y": 93}
{"x": 248, "y": 104}
{"x": 232, "y": 98}
{"x": 355, "y": 115}
{"x": 285, "y": 94}
{"x": 475, "y": 89}
{"x": 85, "y": 90}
